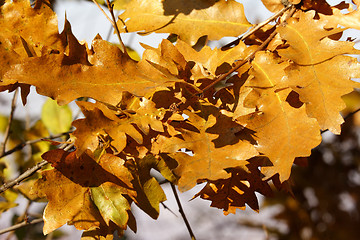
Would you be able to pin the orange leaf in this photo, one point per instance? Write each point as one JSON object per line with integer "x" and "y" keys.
{"x": 280, "y": 129}
{"x": 103, "y": 75}
{"x": 321, "y": 74}
{"x": 216, "y": 19}
{"x": 214, "y": 146}
{"x": 67, "y": 187}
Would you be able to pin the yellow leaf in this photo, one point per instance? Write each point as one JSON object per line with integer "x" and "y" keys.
{"x": 56, "y": 118}
{"x": 216, "y": 19}
{"x": 282, "y": 132}
{"x": 103, "y": 75}
{"x": 320, "y": 75}
{"x": 214, "y": 148}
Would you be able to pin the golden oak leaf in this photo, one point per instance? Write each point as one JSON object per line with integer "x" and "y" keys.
{"x": 102, "y": 124}
{"x": 68, "y": 187}
{"x": 321, "y": 74}
{"x": 277, "y": 5}
{"x": 37, "y": 26}
{"x": 321, "y": 87}
{"x": 280, "y": 129}
{"x": 351, "y": 19}
{"x": 104, "y": 75}
{"x": 25, "y": 31}
{"x": 68, "y": 202}
{"x": 214, "y": 146}
{"x": 211, "y": 59}
{"x": 166, "y": 57}
{"x": 99, "y": 124}
{"x": 239, "y": 189}
{"x": 309, "y": 41}
{"x": 216, "y": 19}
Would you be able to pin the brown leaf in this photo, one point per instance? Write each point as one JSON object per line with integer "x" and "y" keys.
{"x": 234, "y": 192}
{"x": 216, "y": 19}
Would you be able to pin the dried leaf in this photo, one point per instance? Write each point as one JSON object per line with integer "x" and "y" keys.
{"x": 214, "y": 148}
{"x": 321, "y": 74}
{"x": 218, "y": 18}
{"x": 280, "y": 129}
{"x": 236, "y": 191}
{"x": 106, "y": 70}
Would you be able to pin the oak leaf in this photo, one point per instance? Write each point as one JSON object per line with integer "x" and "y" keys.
{"x": 320, "y": 75}
{"x": 239, "y": 189}
{"x": 38, "y": 27}
{"x": 282, "y": 132}
{"x": 211, "y": 59}
{"x": 105, "y": 70}
{"x": 216, "y": 19}
{"x": 214, "y": 148}
{"x": 277, "y": 5}
{"x": 351, "y": 19}
{"x": 99, "y": 124}
{"x": 68, "y": 187}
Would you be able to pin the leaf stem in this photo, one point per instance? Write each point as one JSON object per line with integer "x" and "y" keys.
{"x": 182, "y": 212}
{"x": 23, "y": 176}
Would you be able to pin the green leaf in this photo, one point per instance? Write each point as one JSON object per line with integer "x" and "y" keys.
{"x": 111, "y": 203}
{"x": 56, "y": 118}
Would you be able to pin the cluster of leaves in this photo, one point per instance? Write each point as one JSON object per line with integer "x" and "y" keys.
{"x": 245, "y": 112}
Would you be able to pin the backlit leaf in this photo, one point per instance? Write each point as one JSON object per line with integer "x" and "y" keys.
{"x": 218, "y": 18}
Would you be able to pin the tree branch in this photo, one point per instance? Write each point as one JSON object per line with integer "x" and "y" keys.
{"x": 11, "y": 116}
{"x": 31, "y": 171}
{"x": 23, "y": 144}
{"x": 182, "y": 212}
{"x": 21, "y": 225}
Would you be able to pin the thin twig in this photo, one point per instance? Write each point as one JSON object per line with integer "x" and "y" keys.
{"x": 182, "y": 212}
{"x": 260, "y": 25}
{"x": 11, "y": 116}
{"x": 23, "y": 144}
{"x": 111, "y": 10}
{"x": 112, "y": 21}
{"x": 102, "y": 10}
{"x": 21, "y": 225}
{"x": 167, "y": 208}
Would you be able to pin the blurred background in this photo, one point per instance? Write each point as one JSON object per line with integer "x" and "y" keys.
{"x": 326, "y": 186}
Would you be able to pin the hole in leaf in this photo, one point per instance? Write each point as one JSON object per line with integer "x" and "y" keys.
{"x": 294, "y": 100}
